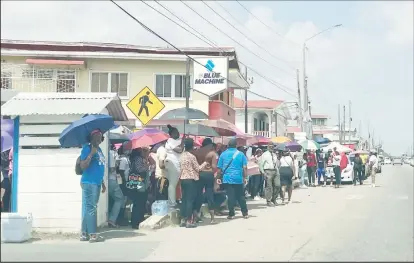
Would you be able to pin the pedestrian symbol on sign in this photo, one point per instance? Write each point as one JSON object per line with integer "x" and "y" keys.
{"x": 145, "y": 105}
{"x": 143, "y": 101}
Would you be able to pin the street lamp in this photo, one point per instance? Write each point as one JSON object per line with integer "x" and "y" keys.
{"x": 306, "y": 103}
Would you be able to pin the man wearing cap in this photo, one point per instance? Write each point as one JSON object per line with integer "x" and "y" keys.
{"x": 92, "y": 163}
{"x": 232, "y": 168}
{"x": 268, "y": 166}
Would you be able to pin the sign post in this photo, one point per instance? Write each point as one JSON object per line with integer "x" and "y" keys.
{"x": 145, "y": 105}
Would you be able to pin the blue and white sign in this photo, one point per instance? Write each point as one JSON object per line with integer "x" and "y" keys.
{"x": 210, "y": 76}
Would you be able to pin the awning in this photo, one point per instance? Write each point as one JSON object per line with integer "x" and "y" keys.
{"x": 34, "y": 61}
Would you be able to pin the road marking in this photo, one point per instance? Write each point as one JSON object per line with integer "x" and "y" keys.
{"x": 354, "y": 197}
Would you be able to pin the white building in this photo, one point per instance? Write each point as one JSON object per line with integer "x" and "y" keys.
{"x": 268, "y": 118}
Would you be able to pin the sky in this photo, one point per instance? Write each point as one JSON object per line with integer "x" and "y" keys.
{"x": 368, "y": 61}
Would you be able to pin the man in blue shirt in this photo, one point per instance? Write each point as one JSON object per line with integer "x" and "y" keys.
{"x": 93, "y": 167}
{"x": 232, "y": 166}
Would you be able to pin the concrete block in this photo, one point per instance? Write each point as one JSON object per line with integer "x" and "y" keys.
{"x": 154, "y": 222}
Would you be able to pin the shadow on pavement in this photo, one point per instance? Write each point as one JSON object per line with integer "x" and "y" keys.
{"x": 122, "y": 232}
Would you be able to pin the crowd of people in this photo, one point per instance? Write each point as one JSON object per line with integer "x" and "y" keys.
{"x": 186, "y": 177}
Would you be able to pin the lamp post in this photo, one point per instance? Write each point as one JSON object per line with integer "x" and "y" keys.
{"x": 306, "y": 103}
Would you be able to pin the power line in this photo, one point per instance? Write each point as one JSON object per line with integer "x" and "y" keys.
{"x": 251, "y": 40}
{"x": 271, "y": 29}
{"x": 200, "y": 38}
{"x": 205, "y": 19}
{"x": 208, "y": 41}
{"x": 166, "y": 41}
{"x": 274, "y": 83}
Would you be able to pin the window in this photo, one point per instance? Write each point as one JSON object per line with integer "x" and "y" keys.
{"x": 170, "y": 86}
{"x": 255, "y": 124}
{"x": 267, "y": 127}
{"x": 6, "y": 80}
{"x": 52, "y": 79}
{"x": 110, "y": 82}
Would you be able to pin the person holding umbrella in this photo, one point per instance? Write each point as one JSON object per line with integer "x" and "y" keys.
{"x": 92, "y": 163}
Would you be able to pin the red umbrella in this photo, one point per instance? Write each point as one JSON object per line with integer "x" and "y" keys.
{"x": 259, "y": 140}
{"x": 146, "y": 140}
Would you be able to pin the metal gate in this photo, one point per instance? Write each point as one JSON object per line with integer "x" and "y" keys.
{"x": 28, "y": 78}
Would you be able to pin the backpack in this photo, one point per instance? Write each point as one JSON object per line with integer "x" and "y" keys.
{"x": 78, "y": 169}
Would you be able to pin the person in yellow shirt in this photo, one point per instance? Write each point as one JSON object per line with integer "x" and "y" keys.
{"x": 364, "y": 158}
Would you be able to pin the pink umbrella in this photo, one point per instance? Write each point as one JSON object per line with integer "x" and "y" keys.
{"x": 222, "y": 127}
{"x": 146, "y": 140}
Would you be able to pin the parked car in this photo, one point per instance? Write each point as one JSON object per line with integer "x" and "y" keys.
{"x": 387, "y": 161}
{"x": 412, "y": 162}
{"x": 347, "y": 175}
{"x": 397, "y": 161}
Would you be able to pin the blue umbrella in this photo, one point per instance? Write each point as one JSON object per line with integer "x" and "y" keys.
{"x": 77, "y": 133}
{"x": 322, "y": 140}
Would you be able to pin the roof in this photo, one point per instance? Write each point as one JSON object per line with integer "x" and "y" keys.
{"x": 7, "y": 94}
{"x": 45, "y": 49}
{"x": 318, "y": 116}
{"x": 108, "y": 47}
{"x": 257, "y": 104}
{"x": 53, "y": 103}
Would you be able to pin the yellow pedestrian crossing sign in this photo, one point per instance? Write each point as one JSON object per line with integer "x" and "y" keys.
{"x": 145, "y": 105}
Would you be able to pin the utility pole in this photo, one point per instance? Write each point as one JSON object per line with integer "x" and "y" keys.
{"x": 299, "y": 103}
{"x": 350, "y": 120}
{"x": 187, "y": 89}
{"x": 339, "y": 124}
{"x": 245, "y": 103}
{"x": 343, "y": 126}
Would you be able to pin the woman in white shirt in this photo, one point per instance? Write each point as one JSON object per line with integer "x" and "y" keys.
{"x": 287, "y": 173}
{"x": 174, "y": 148}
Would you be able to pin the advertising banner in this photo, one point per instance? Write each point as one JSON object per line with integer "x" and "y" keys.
{"x": 210, "y": 75}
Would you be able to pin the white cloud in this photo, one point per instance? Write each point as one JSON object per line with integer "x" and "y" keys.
{"x": 368, "y": 61}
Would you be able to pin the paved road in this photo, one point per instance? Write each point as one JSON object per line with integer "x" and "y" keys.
{"x": 324, "y": 224}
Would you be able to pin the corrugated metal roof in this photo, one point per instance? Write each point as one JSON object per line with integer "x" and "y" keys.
{"x": 52, "y": 103}
{"x": 115, "y": 45}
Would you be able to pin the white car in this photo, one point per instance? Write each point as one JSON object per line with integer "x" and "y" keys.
{"x": 347, "y": 175}
{"x": 412, "y": 162}
{"x": 387, "y": 161}
{"x": 397, "y": 161}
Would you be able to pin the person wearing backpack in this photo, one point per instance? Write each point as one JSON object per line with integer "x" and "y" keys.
{"x": 358, "y": 169}
{"x": 92, "y": 164}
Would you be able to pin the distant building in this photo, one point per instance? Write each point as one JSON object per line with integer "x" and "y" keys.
{"x": 268, "y": 118}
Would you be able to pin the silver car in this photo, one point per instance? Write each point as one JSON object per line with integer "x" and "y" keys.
{"x": 397, "y": 161}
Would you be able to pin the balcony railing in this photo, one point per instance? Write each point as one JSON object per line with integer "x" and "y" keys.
{"x": 262, "y": 133}
{"x": 27, "y": 78}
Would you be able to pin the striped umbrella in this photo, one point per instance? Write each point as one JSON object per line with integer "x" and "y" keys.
{"x": 310, "y": 145}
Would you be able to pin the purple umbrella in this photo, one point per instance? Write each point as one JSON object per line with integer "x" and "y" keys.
{"x": 293, "y": 146}
{"x": 6, "y": 141}
{"x": 143, "y": 132}
{"x": 7, "y": 125}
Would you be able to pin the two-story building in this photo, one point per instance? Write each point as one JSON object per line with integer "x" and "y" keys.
{"x": 322, "y": 128}
{"x": 268, "y": 118}
{"x": 45, "y": 66}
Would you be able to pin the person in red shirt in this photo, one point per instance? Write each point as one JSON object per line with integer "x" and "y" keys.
{"x": 344, "y": 161}
{"x": 311, "y": 167}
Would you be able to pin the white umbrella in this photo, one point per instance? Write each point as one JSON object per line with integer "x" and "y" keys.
{"x": 339, "y": 147}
